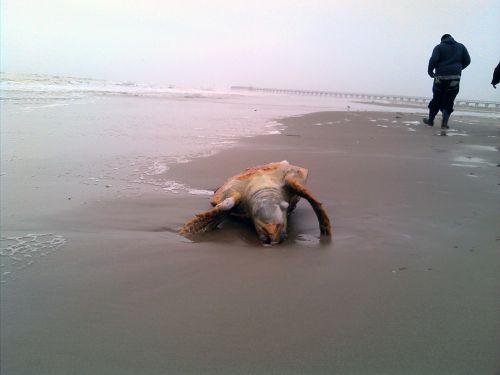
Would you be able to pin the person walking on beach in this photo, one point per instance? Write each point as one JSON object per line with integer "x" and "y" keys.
{"x": 496, "y": 76}
{"x": 448, "y": 60}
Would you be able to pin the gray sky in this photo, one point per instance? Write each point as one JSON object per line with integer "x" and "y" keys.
{"x": 368, "y": 46}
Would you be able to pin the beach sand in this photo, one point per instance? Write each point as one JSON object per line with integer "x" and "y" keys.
{"x": 408, "y": 284}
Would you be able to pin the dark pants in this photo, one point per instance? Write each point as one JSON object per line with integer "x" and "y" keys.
{"x": 444, "y": 93}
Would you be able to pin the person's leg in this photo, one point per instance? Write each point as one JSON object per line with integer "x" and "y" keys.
{"x": 450, "y": 93}
{"x": 435, "y": 103}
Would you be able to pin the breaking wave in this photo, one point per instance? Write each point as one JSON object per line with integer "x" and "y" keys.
{"x": 32, "y": 87}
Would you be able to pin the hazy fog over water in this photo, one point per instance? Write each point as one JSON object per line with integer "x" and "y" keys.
{"x": 367, "y": 46}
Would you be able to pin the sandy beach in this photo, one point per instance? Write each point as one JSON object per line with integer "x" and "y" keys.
{"x": 409, "y": 283}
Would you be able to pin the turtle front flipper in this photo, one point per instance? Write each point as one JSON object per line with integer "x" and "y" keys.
{"x": 204, "y": 222}
{"x": 209, "y": 220}
{"x": 296, "y": 187}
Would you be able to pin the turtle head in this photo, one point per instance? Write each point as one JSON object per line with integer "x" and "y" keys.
{"x": 270, "y": 219}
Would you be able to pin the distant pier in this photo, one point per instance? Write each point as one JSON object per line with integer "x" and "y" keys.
{"x": 479, "y": 104}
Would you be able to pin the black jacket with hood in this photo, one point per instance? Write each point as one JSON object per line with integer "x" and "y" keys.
{"x": 448, "y": 58}
{"x": 496, "y": 75}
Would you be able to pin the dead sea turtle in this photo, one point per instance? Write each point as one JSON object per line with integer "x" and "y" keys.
{"x": 265, "y": 194}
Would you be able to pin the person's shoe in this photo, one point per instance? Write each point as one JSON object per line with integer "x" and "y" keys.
{"x": 444, "y": 126}
{"x": 428, "y": 121}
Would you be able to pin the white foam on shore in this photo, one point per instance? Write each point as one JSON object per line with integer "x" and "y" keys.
{"x": 177, "y": 187}
{"x": 174, "y": 187}
{"x": 483, "y": 148}
{"x": 156, "y": 176}
{"x": 157, "y": 168}
{"x": 469, "y": 160}
{"x": 17, "y": 253}
{"x": 200, "y": 192}
{"x": 273, "y": 127}
{"x": 464, "y": 165}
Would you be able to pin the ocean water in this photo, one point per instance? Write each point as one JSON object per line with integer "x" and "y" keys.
{"x": 38, "y": 88}
{"x": 132, "y": 132}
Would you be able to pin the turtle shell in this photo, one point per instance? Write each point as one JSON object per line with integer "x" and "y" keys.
{"x": 252, "y": 180}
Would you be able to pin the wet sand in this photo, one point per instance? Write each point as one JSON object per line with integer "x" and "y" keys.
{"x": 408, "y": 285}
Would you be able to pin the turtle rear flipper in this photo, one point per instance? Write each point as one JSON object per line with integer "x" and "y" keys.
{"x": 209, "y": 220}
{"x": 296, "y": 187}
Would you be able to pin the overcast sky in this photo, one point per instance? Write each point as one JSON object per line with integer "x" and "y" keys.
{"x": 370, "y": 46}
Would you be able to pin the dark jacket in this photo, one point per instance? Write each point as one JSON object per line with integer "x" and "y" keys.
{"x": 448, "y": 58}
{"x": 496, "y": 75}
